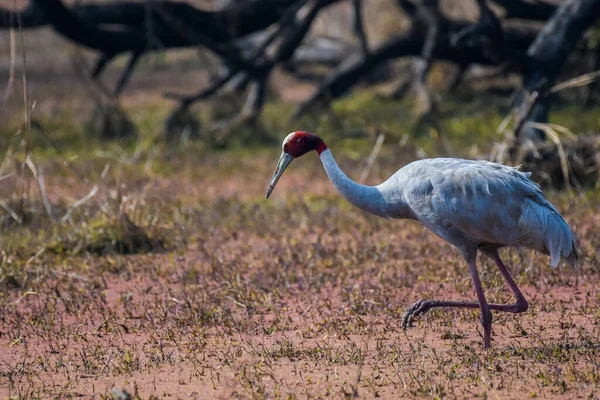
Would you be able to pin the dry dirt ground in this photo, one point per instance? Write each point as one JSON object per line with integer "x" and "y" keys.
{"x": 300, "y": 296}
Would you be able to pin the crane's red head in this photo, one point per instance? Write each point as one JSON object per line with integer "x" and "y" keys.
{"x": 295, "y": 145}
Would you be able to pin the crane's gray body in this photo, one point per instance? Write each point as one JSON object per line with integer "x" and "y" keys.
{"x": 471, "y": 204}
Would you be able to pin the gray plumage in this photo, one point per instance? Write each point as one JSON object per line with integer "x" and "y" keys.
{"x": 467, "y": 203}
{"x": 482, "y": 203}
{"x": 477, "y": 206}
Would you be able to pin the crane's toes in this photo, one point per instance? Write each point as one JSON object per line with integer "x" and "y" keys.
{"x": 412, "y": 311}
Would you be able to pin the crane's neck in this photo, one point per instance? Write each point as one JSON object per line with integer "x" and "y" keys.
{"x": 367, "y": 198}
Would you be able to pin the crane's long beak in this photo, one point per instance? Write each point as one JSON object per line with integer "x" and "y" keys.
{"x": 284, "y": 161}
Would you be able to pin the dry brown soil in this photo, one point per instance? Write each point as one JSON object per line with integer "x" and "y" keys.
{"x": 300, "y": 296}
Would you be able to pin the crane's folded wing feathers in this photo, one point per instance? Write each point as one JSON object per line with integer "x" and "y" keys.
{"x": 486, "y": 202}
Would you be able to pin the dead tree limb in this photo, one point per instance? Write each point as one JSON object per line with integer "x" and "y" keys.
{"x": 357, "y": 24}
{"x": 356, "y": 66}
{"x": 496, "y": 43}
{"x": 255, "y": 36}
{"x": 486, "y": 35}
{"x": 528, "y": 105}
{"x": 549, "y": 52}
{"x": 523, "y": 9}
{"x": 172, "y": 25}
{"x": 276, "y": 49}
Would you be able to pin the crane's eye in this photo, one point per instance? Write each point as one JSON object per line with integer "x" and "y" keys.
{"x": 298, "y": 140}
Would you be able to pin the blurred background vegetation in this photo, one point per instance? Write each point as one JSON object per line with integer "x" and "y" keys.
{"x": 99, "y": 94}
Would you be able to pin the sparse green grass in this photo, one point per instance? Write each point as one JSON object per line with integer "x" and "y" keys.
{"x": 299, "y": 296}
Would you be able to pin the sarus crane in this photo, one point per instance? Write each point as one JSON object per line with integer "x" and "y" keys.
{"x": 474, "y": 205}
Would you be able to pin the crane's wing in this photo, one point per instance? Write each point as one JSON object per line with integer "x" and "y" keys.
{"x": 488, "y": 203}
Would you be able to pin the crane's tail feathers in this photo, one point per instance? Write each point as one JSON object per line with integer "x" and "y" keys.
{"x": 559, "y": 241}
{"x": 573, "y": 258}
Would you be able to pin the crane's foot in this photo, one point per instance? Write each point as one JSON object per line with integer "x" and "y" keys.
{"x": 414, "y": 310}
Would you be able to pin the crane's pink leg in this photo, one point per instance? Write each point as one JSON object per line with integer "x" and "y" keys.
{"x": 520, "y": 306}
{"x": 486, "y": 314}
{"x": 423, "y": 306}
